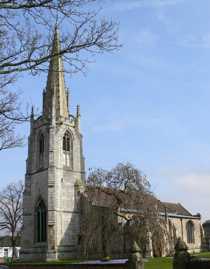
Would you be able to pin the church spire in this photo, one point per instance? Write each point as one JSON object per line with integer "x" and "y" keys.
{"x": 55, "y": 104}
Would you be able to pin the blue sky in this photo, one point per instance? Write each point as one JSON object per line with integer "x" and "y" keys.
{"x": 148, "y": 104}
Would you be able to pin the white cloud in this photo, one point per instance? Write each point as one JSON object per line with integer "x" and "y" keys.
{"x": 195, "y": 183}
{"x": 191, "y": 189}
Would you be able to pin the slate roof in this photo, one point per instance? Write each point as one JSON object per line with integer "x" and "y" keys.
{"x": 174, "y": 208}
{"x": 105, "y": 197}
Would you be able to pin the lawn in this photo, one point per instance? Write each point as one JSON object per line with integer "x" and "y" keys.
{"x": 203, "y": 255}
{"x": 166, "y": 262}
{"x": 47, "y": 262}
{"x": 159, "y": 263}
{"x": 152, "y": 263}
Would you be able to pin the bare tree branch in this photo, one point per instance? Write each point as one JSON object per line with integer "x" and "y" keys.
{"x": 11, "y": 211}
{"x": 22, "y": 51}
{"x": 10, "y": 116}
{"x": 123, "y": 192}
{"x": 26, "y": 30}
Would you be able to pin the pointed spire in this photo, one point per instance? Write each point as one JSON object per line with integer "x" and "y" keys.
{"x": 55, "y": 99}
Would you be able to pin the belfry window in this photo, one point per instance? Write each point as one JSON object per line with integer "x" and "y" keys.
{"x": 66, "y": 142}
{"x": 190, "y": 232}
{"x": 41, "y": 222}
{"x": 41, "y": 150}
{"x": 41, "y": 144}
{"x": 67, "y": 149}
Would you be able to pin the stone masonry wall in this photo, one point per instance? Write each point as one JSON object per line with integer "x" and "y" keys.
{"x": 181, "y": 231}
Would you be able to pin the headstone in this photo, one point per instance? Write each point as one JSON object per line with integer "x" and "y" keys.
{"x": 181, "y": 257}
{"x": 135, "y": 260}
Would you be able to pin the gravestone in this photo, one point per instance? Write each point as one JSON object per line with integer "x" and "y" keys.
{"x": 135, "y": 260}
{"x": 181, "y": 257}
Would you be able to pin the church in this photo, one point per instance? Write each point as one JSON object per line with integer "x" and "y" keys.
{"x": 55, "y": 164}
{"x": 55, "y": 172}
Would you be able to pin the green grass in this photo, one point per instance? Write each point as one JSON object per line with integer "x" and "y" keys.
{"x": 153, "y": 263}
{"x": 203, "y": 255}
{"x": 44, "y": 263}
{"x": 159, "y": 263}
{"x": 166, "y": 262}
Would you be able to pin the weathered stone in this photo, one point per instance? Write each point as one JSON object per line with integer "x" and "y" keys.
{"x": 180, "y": 245}
{"x": 179, "y": 224}
{"x": 53, "y": 175}
{"x": 135, "y": 260}
{"x": 181, "y": 257}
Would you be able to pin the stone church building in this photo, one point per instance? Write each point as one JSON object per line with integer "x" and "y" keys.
{"x": 55, "y": 172}
{"x": 101, "y": 222}
{"x": 55, "y": 164}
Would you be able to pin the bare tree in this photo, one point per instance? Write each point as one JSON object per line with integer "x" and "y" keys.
{"x": 124, "y": 176}
{"x": 10, "y": 116}
{"x": 26, "y": 30}
{"x": 11, "y": 211}
{"x": 97, "y": 228}
{"x": 126, "y": 192}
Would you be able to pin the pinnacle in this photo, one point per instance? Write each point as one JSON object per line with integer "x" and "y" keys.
{"x": 56, "y": 42}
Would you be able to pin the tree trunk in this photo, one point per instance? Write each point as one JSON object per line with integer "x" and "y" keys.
{"x": 13, "y": 241}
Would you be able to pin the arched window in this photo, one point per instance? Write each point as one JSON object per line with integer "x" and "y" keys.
{"x": 41, "y": 144}
{"x": 68, "y": 149}
{"x": 41, "y": 222}
{"x": 190, "y": 232}
{"x": 41, "y": 150}
{"x": 66, "y": 141}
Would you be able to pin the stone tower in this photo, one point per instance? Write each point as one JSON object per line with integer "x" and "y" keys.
{"x": 55, "y": 166}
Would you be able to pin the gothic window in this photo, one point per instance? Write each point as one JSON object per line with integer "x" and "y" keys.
{"x": 41, "y": 144}
{"x": 190, "y": 232}
{"x": 41, "y": 222}
{"x": 41, "y": 150}
{"x": 66, "y": 142}
{"x": 67, "y": 149}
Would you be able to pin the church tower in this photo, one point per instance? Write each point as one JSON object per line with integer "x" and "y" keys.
{"x": 55, "y": 167}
